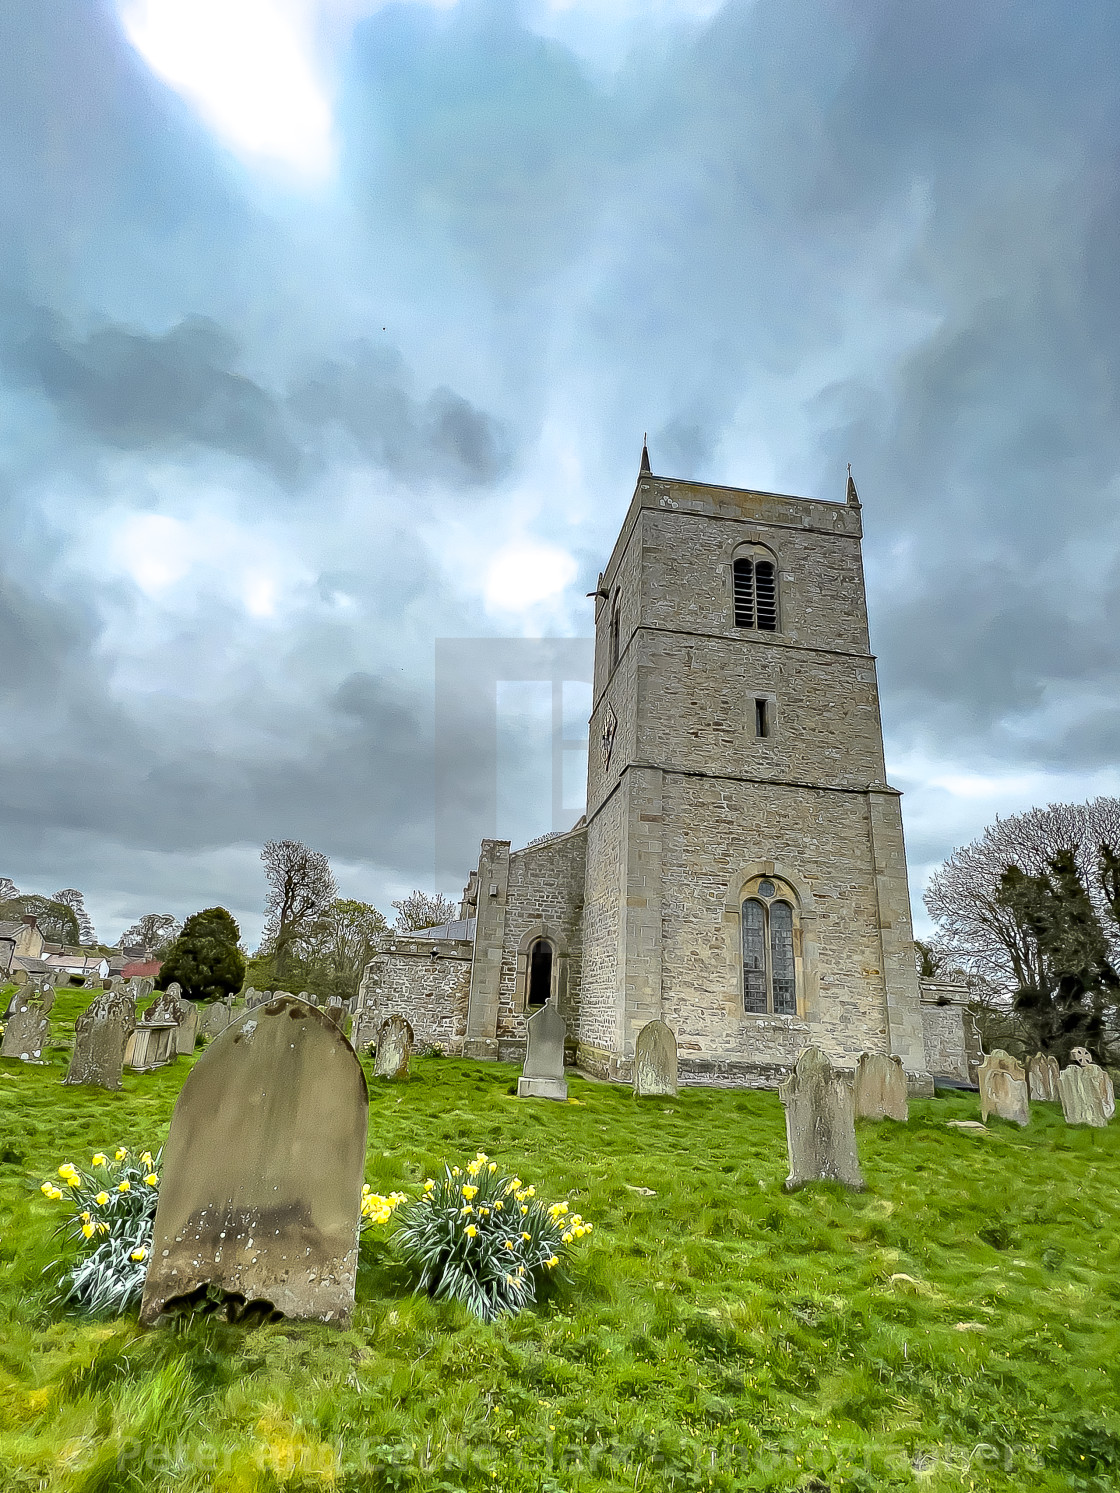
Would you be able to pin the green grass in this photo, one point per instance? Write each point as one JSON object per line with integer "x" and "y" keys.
{"x": 954, "y": 1327}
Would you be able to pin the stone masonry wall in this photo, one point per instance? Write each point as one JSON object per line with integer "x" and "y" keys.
{"x": 544, "y": 899}
{"x": 430, "y": 993}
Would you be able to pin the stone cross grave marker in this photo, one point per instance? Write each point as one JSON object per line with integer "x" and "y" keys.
{"x": 1086, "y": 1091}
{"x": 1003, "y": 1088}
{"x": 542, "y": 1075}
{"x": 28, "y": 1027}
{"x": 101, "y": 1035}
{"x": 262, "y": 1174}
{"x": 394, "y": 1048}
{"x": 1042, "y": 1079}
{"x": 820, "y": 1124}
{"x": 655, "y": 1061}
{"x": 881, "y": 1088}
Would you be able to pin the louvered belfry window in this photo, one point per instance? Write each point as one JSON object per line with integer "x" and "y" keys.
{"x": 756, "y": 594}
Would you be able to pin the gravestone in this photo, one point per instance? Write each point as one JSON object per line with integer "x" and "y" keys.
{"x": 336, "y": 1011}
{"x": 1003, "y": 1088}
{"x": 260, "y": 1197}
{"x": 394, "y": 1048}
{"x": 215, "y": 1018}
{"x": 28, "y": 1026}
{"x": 169, "y": 1005}
{"x": 186, "y": 1037}
{"x": 250, "y": 996}
{"x": 312, "y": 1000}
{"x": 1086, "y": 1091}
{"x": 101, "y": 1035}
{"x": 881, "y": 1090}
{"x": 655, "y": 1062}
{"x": 820, "y": 1124}
{"x": 1042, "y": 1079}
{"x": 542, "y": 1076}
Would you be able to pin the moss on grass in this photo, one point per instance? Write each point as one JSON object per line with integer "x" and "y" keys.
{"x": 954, "y": 1327}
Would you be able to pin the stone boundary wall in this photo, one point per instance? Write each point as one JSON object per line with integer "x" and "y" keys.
{"x": 431, "y": 993}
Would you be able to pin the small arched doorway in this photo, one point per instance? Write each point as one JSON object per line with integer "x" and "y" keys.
{"x": 540, "y": 974}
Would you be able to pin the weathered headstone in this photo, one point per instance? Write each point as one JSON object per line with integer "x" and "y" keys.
{"x": 394, "y": 1048}
{"x": 655, "y": 1061}
{"x": 542, "y": 1075}
{"x": 28, "y": 1026}
{"x": 820, "y": 1124}
{"x": 101, "y": 1034}
{"x": 1042, "y": 1078}
{"x": 1086, "y": 1091}
{"x": 215, "y": 1018}
{"x": 152, "y": 1043}
{"x": 262, "y": 1174}
{"x": 1003, "y": 1088}
{"x": 881, "y": 1088}
{"x": 169, "y": 1005}
{"x": 336, "y": 1011}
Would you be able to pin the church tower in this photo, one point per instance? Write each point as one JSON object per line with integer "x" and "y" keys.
{"x": 745, "y": 872}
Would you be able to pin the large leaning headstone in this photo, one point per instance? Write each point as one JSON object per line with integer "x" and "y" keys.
{"x": 881, "y": 1088}
{"x": 1086, "y": 1091}
{"x": 262, "y": 1174}
{"x": 542, "y": 1076}
{"x": 101, "y": 1035}
{"x": 1042, "y": 1079}
{"x": 1002, "y": 1080}
{"x": 820, "y": 1124}
{"x": 394, "y": 1048}
{"x": 28, "y": 1026}
{"x": 655, "y": 1061}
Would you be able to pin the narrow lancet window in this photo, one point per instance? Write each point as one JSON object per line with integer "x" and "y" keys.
{"x": 743, "y": 571}
{"x": 781, "y": 959}
{"x": 755, "y": 592}
{"x": 769, "y": 953}
{"x": 754, "y": 956}
{"x": 540, "y": 974}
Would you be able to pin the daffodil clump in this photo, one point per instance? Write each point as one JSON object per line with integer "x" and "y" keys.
{"x": 378, "y": 1209}
{"x": 484, "y": 1238}
{"x": 110, "y": 1205}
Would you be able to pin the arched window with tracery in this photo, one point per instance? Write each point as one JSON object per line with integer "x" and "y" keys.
{"x": 754, "y": 577}
{"x": 768, "y": 921}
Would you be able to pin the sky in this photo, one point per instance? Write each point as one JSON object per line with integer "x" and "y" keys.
{"x": 331, "y": 327}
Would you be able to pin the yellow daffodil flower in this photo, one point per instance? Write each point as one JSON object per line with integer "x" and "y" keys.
{"x": 138, "y": 1254}
{"x": 493, "y": 1167}
{"x": 102, "y": 1228}
{"x": 98, "y": 1160}
{"x": 101, "y": 1199}
{"x": 498, "y": 1206}
{"x": 124, "y": 1186}
{"x": 121, "y": 1154}
{"x": 146, "y": 1158}
{"x": 555, "y": 1260}
{"x": 470, "y": 1231}
{"x": 152, "y": 1179}
{"x": 87, "y": 1230}
{"x": 469, "y": 1192}
{"x": 67, "y": 1170}
{"x": 565, "y": 1238}
{"x": 47, "y": 1188}
{"x": 484, "y": 1213}
{"x": 466, "y": 1212}
{"x": 429, "y": 1184}
{"x": 85, "y": 1218}
{"x": 73, "y": 1181}
{"x": 524, "y": 1209}
{"x": 507, "y": 1243}
{"x": 455, "y": 1172}
{"x": 526, "y": 1237}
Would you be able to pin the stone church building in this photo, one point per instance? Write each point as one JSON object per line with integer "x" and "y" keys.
{"x": 740, "y": 870}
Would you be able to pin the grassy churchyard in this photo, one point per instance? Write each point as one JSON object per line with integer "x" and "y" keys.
{"x": 953, "y": 1327}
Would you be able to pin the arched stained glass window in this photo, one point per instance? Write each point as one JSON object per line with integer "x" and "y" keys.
{"x": 754, "y": 956}
{"x": 782, "y": 973}
{"x": 769, "y": 956}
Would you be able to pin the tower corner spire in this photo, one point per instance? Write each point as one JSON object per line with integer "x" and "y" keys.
{"x": 852, "y": 496}
{"x": 645, "y": 470}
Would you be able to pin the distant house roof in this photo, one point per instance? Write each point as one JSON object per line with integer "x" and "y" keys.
{"x": 77, "y": 963}
{"x": 142, "y": 967}
{"x": 457, "y": 928}
{"x": 33, "y": 966}
{"x": 9, "y": 929}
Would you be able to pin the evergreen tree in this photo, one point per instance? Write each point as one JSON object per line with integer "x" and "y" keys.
{"x": 205, "y": 958}
{"x": 1073, "y": 984}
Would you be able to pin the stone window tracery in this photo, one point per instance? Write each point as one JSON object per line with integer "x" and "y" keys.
{"x": 769, "y": 952}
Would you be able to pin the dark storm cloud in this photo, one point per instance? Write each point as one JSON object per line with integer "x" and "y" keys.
{"x": 442, "y": 438}
{"x": 830, "y": 232}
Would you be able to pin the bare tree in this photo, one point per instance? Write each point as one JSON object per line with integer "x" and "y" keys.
{"x": 421, "y": 910}
{"x": 152, "y": 933}
{"x": 976, "y": 928}
{"x": 72, "y": 898}
{"x": 301, "y": 888}
{"x": 8, "y": 889}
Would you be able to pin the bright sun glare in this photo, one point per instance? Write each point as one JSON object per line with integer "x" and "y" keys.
{"x": 246, "y": 66}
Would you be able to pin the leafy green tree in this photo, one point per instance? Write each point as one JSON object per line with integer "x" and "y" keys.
{"x": 205, "y": 958}
{"x": 57, "y": 922}
{"x": 1065, "y": 999}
